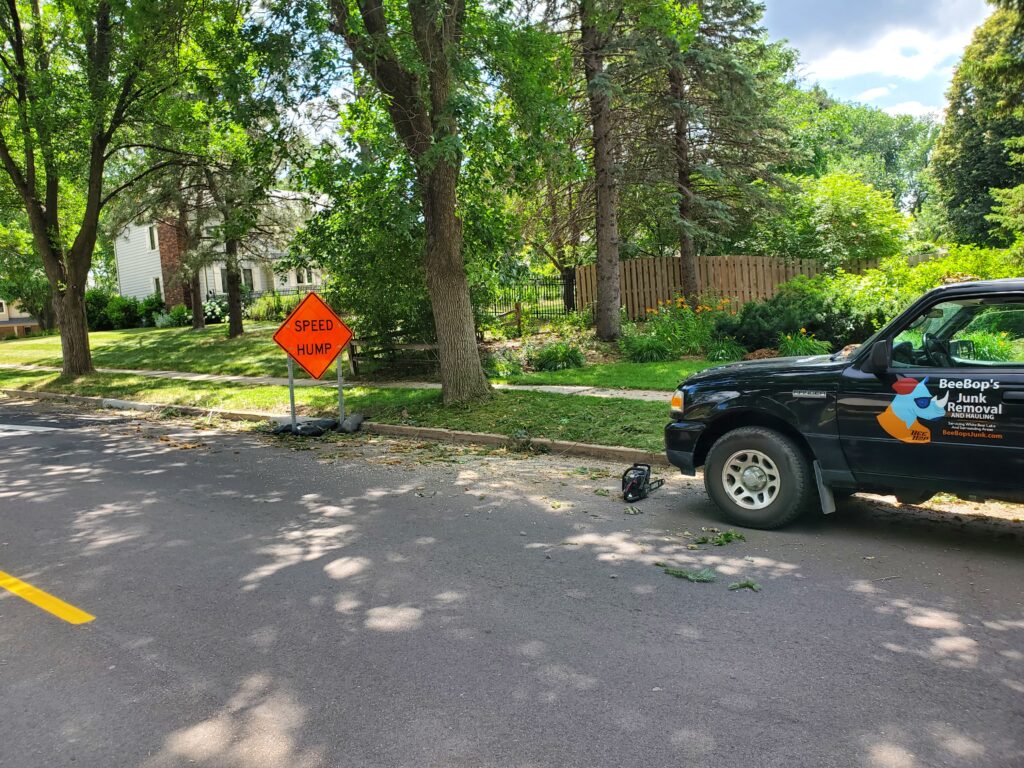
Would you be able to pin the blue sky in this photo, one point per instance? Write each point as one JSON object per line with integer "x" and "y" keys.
{"x": 894, "y": 54}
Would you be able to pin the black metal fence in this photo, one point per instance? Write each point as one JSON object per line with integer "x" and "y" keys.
{"x": 250, "y": 295}
{"x": 534, "y": 297}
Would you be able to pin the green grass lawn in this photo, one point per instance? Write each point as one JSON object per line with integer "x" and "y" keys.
{"x": 604, "y": 421}
{"x": 255, "y": 354}
{"x": 664, "y": 376}
{"x": 168, "y": 349}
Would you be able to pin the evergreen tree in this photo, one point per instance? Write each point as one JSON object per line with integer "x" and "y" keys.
{"x": 972, "y": 156}
{"x": 722, "y": 90}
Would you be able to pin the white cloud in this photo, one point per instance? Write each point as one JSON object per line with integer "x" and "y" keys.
{"x": 874, "y": 93}
{"x": 905, "y": 53}
{"x": 914, "y": 109}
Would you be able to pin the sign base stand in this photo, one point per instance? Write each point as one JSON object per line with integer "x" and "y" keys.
{"x": 313, "y": 336}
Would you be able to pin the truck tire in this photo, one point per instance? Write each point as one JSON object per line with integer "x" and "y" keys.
{"x": 759, "y": 478}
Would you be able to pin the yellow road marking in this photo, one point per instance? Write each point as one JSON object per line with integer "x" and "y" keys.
{"x": 44, "y": 600}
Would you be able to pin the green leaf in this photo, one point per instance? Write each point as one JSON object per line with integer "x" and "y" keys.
{"x": 704, "y": 575}
{"x": 745, "y": 584}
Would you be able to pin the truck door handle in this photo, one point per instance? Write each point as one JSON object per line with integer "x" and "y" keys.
{"x": 1014, "y": 396}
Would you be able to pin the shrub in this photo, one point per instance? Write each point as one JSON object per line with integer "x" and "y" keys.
{"x": 123, "y": 312}
{"x": 573, "y": 323}
{"x": 880, "y": 294}
{"x": 556, "y": 356}
{"x": 163, "y": 320}
{"x": 96, "y": 301}
{"x": 802, "y": 344}
{"x": 824, "y": 305}
{"x": 724, "y": 350}
{"x": 149, "y": 308}
{"x": 991, "y": 347}
{"x": 502, "y": 364}
{"x": 690, "y": 330}
{"x": 272, "y": 307}
{"x": 640, "y": 347}
{"x": 180, "y": 315}
{"x": 215, "y": 309}
{"x": 675, "y": 329}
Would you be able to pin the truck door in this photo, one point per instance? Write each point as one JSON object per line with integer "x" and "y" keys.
{"x": 949, "y": 412}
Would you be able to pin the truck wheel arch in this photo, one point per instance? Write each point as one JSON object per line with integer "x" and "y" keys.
{"x": 747, "y": 418}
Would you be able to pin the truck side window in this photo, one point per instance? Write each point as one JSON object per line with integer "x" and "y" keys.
{"x": 963, "y": 334}
{"x": 909, "y": 348}
{"x": 993, "y": 336}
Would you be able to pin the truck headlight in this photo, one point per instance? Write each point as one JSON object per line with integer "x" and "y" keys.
{"x": 677, "y": 405}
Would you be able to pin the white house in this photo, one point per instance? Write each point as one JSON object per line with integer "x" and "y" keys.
{"x": 15, "y": 322}
{"x": 148, "y": 259}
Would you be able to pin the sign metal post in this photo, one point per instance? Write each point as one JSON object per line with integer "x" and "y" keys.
{"x": 291, "y": 388}
{"x": 341, "y": 394}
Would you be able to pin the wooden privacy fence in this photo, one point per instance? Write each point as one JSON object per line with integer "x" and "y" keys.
{"x": 643, "y": 282}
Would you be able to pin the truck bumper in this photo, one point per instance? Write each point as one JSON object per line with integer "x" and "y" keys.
{"x": 681, "y": 444}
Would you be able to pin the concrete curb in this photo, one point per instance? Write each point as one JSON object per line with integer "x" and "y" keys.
{"x": 564, "y": 447}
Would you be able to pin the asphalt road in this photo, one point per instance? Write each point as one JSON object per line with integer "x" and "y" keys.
{"x": 366, "y": 602}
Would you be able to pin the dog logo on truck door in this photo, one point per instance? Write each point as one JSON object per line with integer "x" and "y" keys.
{"x": 912, "y": 405}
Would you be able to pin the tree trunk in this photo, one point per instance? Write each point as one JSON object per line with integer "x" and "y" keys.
{"x": 569, "y": 288}
{"x": 69, "y": 308}
{"x": 606, "y": 210}
{"x": 687, "y": 249}
{"x": 196, "y": 291}
{"x": 462, "y": 375}
{"x": 47, "y": 318}
{"x": 234, "y": 288}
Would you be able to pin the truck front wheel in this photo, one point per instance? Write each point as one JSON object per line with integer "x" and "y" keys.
{"x": 759, "y": 478}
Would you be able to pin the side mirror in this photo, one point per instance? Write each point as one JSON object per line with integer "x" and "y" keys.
{"x": 879, "y": 358}
{"x": 962, "y": 348}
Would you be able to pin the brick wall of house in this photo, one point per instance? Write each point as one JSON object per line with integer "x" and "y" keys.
{"x": 171, "y": 248}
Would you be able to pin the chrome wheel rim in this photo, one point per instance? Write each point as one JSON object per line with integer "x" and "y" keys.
{"x": 751, "y": 479}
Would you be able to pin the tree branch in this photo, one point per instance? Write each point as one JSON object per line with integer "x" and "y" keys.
{"x": 134, "y": 180}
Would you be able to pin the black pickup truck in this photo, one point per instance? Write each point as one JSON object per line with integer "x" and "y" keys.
{"x": 932, "y": 402}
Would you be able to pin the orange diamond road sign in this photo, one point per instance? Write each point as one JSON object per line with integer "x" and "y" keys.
{"x": 313, "y": 335}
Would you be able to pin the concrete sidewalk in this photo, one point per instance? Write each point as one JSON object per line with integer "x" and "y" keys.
{"x": 648, "y": 395}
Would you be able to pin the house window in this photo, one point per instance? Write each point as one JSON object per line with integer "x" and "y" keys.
{"x": 247, "y": 279}
{"x": 152, "y": 238}
{"x": 157, "y": 290}
{"x": 302, "y": 276}
{"x": 223, "y": 281}
{"x": 2, "y": 307}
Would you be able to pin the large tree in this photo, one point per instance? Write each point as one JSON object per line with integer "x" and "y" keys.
{"x": 237, "y": 137}
{"x": 550, "y": 110}
{"x": 420, "y": 57}
{"x": 622, "y": 43}
{"x": 176, "y": 196}
{"x": 598, "y": 32}
{"x": 972, "y": 155}
{"x": 80, "y": 84}
{"x": 890, "y": 152}
{"x": 722, "y": 89}
{"x": 837, "y": 219}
